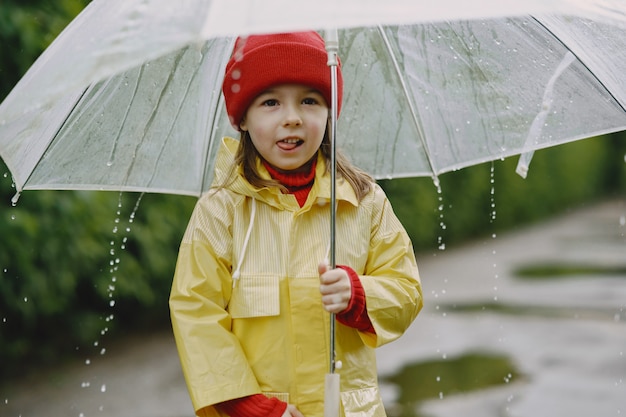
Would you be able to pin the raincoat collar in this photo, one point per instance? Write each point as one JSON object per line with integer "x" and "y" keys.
{"x": 320, "y": 192}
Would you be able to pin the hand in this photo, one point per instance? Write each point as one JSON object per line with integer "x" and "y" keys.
{"x": 292, "y": 411}
{"x": 335, "y": 287}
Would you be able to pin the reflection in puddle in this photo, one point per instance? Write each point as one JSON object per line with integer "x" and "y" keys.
{"x": 429, "y": 380}
{"x": 565, "y": 271}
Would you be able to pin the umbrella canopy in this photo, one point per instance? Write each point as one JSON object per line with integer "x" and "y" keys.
{"x": 129, "y": 96}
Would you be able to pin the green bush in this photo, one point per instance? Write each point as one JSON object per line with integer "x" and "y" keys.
{"x": 560, "y": 178}
{"x": 70, "y": 272}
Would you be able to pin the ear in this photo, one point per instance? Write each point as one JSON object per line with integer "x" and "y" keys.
{"x": 242, "y": 125}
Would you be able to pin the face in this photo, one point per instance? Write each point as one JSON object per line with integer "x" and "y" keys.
{"x": 287, "y": 124}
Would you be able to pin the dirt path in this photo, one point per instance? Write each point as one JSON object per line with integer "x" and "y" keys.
{"x": 576, "y": 365}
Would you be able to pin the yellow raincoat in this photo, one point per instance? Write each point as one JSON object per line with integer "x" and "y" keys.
{"x": 266, "y": 332}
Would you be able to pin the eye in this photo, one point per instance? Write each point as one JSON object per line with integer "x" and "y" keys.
{"x": 310, "y": 101}
{"x": 270, "y": 102}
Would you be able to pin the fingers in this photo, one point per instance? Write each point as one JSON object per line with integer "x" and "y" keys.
{"x": 335, "y": 288}
{"x": 322, "y": 267}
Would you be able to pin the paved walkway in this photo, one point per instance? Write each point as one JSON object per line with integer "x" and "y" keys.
{"x": 575, "y": 360}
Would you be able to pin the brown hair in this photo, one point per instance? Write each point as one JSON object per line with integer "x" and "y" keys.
{"x": 247, "y": 155}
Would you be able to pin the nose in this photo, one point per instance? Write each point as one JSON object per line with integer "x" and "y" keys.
{"x": 292, "y": 116}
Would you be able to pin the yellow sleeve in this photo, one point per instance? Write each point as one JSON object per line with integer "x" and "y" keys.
{"x": 391, "y": 279}
{"x": 212, "y": 359}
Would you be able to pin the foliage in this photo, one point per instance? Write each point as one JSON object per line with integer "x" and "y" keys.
{"x": 76, "y": 265}
{"x": 559, "y": 178}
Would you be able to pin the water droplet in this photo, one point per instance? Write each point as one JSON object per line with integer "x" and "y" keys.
{"x": 112, "y": 303}
{"x": 87, "y": 361}
{"x": 85, "y": 384}
{"x": 103, "y": 388}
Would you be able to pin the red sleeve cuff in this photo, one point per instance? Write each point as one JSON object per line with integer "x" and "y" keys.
{"x": 355, "y": 315}
{"x": 257, "y": 405}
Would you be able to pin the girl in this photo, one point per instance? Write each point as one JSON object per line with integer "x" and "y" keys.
{"x": 251, "y": 292}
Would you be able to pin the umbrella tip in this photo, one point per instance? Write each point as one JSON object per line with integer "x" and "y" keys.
{"x": 15, "y": 198}
{"x": 522, "y": 170}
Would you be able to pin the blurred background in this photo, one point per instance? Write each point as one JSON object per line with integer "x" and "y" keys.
{"x": 77, "y": 268}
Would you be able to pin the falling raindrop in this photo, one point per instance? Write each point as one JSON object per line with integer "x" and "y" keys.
{"x": 103, "y": 388}
{"x": 442, "y": 225}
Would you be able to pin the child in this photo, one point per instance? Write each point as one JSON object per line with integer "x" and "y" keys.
{"x": 251, "y": 292}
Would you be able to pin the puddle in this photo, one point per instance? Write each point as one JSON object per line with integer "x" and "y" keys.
{"x": 532, "y": 310}
{"x": 562, "y": 271}
{"x": 429, "y": 380}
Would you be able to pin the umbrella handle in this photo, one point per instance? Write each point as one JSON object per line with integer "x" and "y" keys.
{"x": 331, "y": 396}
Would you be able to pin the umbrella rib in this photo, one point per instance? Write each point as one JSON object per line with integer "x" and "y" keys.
{"x": 412, "y": 109}
{"x": 579, "y": 59}
{"x": 168, "y": 135}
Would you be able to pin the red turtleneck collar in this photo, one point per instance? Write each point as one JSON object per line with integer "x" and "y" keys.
{"x": 298, "y": 183}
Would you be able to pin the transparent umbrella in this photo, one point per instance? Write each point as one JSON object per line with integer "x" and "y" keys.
{"x": 128, "y": 96}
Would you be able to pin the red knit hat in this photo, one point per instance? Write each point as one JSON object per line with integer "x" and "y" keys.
{"x": 259, "y": 62}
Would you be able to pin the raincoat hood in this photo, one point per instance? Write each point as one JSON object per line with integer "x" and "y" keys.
{"x": 273, "y": 196}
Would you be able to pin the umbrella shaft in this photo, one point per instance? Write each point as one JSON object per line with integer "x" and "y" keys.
{"x": 332, "y": 62}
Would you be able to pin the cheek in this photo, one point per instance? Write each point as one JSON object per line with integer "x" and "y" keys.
{"x": 320, "y": 128}
{"x": 258, "y": 135}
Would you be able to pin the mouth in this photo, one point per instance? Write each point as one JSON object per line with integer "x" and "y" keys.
{"x": 289, "y": 143}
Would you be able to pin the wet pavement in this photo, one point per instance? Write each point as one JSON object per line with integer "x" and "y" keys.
{"x": 564, "y": 328}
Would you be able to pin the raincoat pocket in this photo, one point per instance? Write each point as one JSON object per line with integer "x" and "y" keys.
{"x": 364, "y": 402}
{"x": 255, "y": 296}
